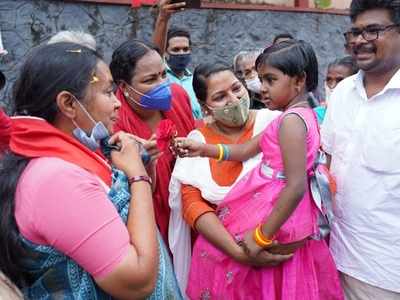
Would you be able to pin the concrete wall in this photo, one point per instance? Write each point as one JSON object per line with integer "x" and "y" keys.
{"x": 217, "y": 34}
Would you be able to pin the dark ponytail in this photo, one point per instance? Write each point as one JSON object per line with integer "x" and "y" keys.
{"x": 11, "y": 250}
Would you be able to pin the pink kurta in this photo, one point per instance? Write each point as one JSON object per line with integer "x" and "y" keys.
{"x": 309, "y": 274}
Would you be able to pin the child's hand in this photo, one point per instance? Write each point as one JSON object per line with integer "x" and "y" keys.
{"x": 185, "y": 147}
{"x": 250, "y": 245}
{"x": 264, "y": 258}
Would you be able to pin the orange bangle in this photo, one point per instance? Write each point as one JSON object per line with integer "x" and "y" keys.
{"x": 260, "y": 239}
{"x": 220, "y": 153}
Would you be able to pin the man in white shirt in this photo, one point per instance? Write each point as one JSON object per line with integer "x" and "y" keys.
{"x": 361, "y": 134}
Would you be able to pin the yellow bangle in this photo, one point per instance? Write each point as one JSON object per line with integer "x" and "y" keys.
{"x": 260, "y": 239}
{"x": 221, "y": 152}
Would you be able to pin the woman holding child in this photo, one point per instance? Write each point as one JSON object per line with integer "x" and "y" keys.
{"x": 272, "y": 203}
{"x": 199, "y": 185}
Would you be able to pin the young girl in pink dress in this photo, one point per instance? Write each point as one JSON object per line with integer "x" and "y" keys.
{"x": 272, "y": 204}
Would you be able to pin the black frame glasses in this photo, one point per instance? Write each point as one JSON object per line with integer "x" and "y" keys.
{"x": 369, "y": 33}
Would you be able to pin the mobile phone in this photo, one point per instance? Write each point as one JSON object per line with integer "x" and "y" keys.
{"x": 189, "y": 3}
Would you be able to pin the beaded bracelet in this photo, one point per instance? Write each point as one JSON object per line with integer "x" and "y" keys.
{"x": 134, "y": 179}
{"x": 260, "y": 239}
{"x": 226, "y": 152}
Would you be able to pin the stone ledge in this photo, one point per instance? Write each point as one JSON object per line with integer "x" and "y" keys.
{"x": 241, "y": 6}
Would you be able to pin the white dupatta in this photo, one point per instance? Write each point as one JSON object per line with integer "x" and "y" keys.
{"x": 195, "y": 171}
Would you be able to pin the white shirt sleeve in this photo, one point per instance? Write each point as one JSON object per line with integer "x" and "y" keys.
{"x": 328, "y": 125}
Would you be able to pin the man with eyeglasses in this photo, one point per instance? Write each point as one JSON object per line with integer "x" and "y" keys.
{"x": 361, "y": 134}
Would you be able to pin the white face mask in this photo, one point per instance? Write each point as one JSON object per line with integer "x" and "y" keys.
{"x": 328, "y": 93}
{"x": 254, "y": 85}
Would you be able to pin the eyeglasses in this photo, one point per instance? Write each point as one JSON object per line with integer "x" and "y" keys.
{"x": 369, "y": 33}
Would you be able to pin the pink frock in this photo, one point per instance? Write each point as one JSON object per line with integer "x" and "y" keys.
{"x": 309, "y": 274}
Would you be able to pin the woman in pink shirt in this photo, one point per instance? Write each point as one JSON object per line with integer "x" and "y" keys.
{"x": 72, "y": 225}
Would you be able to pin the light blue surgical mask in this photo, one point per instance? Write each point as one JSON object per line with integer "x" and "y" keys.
{"x": 98, "y": 132}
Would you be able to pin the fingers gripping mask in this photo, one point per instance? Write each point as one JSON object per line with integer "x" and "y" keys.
{"x": 97, "y": 133}
{"x": 233, "y": 115}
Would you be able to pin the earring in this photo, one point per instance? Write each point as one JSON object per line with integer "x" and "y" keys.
{"x": 126, "y": 94}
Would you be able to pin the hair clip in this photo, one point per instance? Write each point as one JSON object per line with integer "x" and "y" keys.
{"x": 74, "y": 51}
{"x": 94, "y": 79}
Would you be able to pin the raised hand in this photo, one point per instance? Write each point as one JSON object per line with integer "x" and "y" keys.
{"x": 166, "y": 8}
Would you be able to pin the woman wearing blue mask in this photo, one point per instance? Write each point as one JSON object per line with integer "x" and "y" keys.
{"x": 147, "y": 97}
{"x": 74, "y": 224}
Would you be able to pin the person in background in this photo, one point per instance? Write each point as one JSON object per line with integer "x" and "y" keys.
{"x": 73, "y": 225}
{"x": 175, "y": 46}
{"x": 282, "y": 37}
{"x": 194, "y": 199}
{"x": 77, "y": 37}
{"x": 148, "y": 97}
{"x": 245, "y": 70}
{"x": 337, "y": 70}
{"x": 361, "y": 135}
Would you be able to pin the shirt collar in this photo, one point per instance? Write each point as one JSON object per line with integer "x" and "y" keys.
{"x": 394, "y": 83}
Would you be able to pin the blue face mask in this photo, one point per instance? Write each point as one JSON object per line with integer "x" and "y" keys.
{"x": 179, "y": 62}
{"x": 158, "y": 98}
{"x": 98, "y": 132}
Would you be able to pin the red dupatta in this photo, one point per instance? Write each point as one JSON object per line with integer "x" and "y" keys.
{"x": 181, "y": 115}
{"x": 34, "y": 137}
{"x": 5, "y": 130}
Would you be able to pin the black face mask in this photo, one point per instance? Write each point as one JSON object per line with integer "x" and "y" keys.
{"x": 179, "y": 62}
